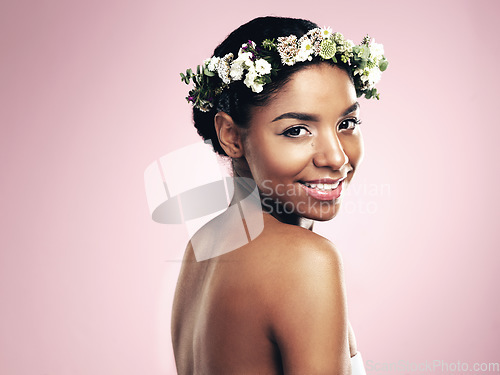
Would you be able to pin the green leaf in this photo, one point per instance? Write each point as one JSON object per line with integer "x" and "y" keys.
{"x": 185, "y": 79}
{"x": 208, "y": 73}
{"x": 383, "y": 65}
{"x": 268, "y": 44}
{"x": 366, "y": 53}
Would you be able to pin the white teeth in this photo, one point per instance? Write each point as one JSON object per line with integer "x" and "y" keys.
{"x": 323, "y": 186}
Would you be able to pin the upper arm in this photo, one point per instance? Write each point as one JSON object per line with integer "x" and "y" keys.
{"x": 308, "y": 311}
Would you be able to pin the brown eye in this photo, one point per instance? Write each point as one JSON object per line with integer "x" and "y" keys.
{"x": 349, "y": 124}
{"x": 296, "y": 131}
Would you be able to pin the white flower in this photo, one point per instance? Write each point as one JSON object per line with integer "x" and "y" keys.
{"x": 349, "y": 45}
{"x": 377, "y": 50}
{"x": 374, "y": 75}
{"x": 246, "y": 57}
{"x": 223, "y": 68}
{"x": 250, "y": 80}
{"x": 213, "y": 63}
{"x": 262, "y": 67}
{"x": 257, "y": 87}
{"x": 288, "y": 49}
{"x": 339, "y": 38}
{"x": 306, "y": 49}
{"x": 237, "y": 69}
{"x": 244, "y": 60}
{"x": 326, "y": 32}
{"x": 250, "y": 77}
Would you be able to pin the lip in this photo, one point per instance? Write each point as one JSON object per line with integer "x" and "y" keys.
{"x": 326, "y": 180}
{"x": 324, "y": 195}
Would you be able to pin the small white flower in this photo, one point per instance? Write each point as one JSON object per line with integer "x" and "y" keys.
{"x": 339, "y": 38}
{"x": 223, "y": 68}
{"x": 303, "y": 55}
{"x": 250, "y": 81}
{"x": 262, "y": 67}
{"x": 257, "y": 87}
{"x": 213, "y": 63}
{"x": 349, "y": 45}
{"x": 377, "y": 50}
{"x": 326, "y": 32}
{"x": 243, "y": 60}
{"x": 237, "y": 69}
{"x": 374, "y": 75}
{"x": 288, "y": 49}
{"x": 290, "y": 61}
{"x": 246, "y": 57}
{"x": 250, "y": 77}
{"x": 306, "y": 49}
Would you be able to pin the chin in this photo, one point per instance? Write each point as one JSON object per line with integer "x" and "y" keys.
{"x": 324, "y": 215}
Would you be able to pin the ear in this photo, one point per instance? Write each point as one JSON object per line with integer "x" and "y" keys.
{"x": 229, "y": 135}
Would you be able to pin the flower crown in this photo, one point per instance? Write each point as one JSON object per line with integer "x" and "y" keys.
{"x": 256, "y": 65}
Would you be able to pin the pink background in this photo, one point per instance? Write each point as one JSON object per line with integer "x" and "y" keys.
{"x": 90, "y": 95}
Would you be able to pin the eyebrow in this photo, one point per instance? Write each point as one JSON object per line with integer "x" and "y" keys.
{"x": 296, "y": 116}
{"x": 351, "y": 109}
{"x": 308, "y": 117}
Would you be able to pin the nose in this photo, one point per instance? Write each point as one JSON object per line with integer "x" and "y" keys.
{"x": 330, "y": 152}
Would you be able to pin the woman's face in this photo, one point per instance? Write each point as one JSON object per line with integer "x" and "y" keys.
{"x": 303, "y": 147}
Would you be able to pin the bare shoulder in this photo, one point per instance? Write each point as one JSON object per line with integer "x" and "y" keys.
{"x": 303, "y": 259}
{"x": 294, "y": 247}
{"x": 305, "y": 298}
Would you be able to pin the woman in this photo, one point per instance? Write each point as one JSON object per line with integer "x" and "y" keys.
{"x": 278, "y": 97}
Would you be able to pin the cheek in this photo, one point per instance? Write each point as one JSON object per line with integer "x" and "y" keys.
{"x": 273, "y": 158}
{"x": 354, "y": 149}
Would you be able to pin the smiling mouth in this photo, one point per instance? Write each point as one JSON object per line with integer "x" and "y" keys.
{"x": 323, "y": 184}
{"x": 324, "y": 187}
{"x": 325, "y": 190}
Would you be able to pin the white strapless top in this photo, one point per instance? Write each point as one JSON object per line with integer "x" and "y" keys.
{"x": 357, "y": 365}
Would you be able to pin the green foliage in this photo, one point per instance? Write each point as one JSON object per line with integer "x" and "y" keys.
{"x": 372, "y": 94}
{"x": 383, "y": 64}
{"x": 208, "y": 73}
{"x": 269, "y": 44}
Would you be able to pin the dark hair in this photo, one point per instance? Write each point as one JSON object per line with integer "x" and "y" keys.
{"x": 238, "y": 99}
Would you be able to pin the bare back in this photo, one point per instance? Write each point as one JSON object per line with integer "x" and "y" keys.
{"x": 222, "y": 320}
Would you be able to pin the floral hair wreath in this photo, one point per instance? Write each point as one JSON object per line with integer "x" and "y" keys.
{"x": 255, "y": 65}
